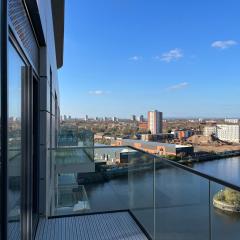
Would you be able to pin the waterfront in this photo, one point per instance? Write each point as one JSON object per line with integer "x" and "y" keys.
{"x": 227, "y": 169}
{"x": 180, "y": 197}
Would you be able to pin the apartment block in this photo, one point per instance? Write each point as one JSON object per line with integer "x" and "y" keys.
{"x": 209, "y": 131}
{"x": 155, "y": 121}
{"x": 224, "y": 132}
{"x": 228, "y": 133}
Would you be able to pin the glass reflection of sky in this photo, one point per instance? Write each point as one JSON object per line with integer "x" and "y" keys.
{"x": 14, "y": 71}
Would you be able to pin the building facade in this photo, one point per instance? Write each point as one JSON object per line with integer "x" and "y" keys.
{"x": 143, "y": 126}
{"x": 156, "y": 148}
{"x": 209, "y": 131}
{"x": 161, "y": 137}
{"x": 31, "y": 53}
{"x": 224, "y": 132}
{"x": 155, "y": 121}
{"x": 228, "y": 133}
{"x": 231, "y": 120}
{"x": 141, "y": 118}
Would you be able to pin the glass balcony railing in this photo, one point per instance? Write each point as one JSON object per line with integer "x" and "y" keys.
{"x": 71, "y": 136}
{"x": 71, "y": 198}
{"x": 169, "y": 200}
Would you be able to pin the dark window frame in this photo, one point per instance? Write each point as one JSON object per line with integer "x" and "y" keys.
{"x": 27, "y": 98}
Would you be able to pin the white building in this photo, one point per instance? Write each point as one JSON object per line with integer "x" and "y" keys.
{"x": 114, "y": 119}
{"x": 228, "y": 133}
{"x": 155, "y": 121}
{"x": 209, "y": 131}
{"x": 224, "y": 132}
{"x": 231, "y": 120}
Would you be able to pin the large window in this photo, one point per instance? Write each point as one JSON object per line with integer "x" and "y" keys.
{"x": 16, "y": 68}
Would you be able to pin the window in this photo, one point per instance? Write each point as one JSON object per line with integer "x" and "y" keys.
{"x": 16, "y": 68}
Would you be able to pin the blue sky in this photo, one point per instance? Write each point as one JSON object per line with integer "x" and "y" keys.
{"x": 126, "y": 57}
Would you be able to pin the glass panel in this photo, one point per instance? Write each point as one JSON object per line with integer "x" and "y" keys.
{"x": 110, "y": 191}
{"x": 14, "y": 141}
{"x": 99, "y": 184}
{"x": 182, "y": 204}
{"x": 71, "y": 199}
{"x": 70, "y": 135}
{"x": 141, "y": 189}
{"x": 225, "y": 212}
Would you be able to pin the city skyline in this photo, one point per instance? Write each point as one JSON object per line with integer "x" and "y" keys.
{"x": 145, "y": 118}
{"x": 132, "y": 57}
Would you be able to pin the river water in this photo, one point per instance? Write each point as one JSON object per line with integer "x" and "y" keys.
{"x": 183, "y": 201}
{"x": 182, "y": 209}
{"x": 226, "y": 169}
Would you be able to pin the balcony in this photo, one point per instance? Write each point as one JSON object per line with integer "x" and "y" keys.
{"x": 100, "y": 226}
{"x": 125, "y": 193}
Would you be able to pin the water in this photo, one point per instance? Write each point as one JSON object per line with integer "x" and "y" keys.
{"x": 226, "y": 169}
{"x": 182, "y": 201}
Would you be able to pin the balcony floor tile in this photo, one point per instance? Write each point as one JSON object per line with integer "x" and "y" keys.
{"x": 106, "y": 226}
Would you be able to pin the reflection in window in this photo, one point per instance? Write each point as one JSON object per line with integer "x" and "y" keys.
{"x": 14, "y": 140}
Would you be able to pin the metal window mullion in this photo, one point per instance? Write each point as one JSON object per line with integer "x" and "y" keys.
{"x": 26, "y": 173}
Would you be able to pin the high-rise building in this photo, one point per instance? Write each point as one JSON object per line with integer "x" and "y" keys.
{"x": 86, "y": 118}
{"x": 141, "y": 118}
{"x": 155, "y": 121}
{"x": 134, "y": 118}
{"x": 114, "y": 119}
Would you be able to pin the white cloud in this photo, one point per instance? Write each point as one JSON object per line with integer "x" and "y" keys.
{"x": 135, "y": 58}
{"x": 178, "y": 86}
{"x": 172, "y": 55}
{"x": 98, "y": 92}
{"x": 224, "y": 44}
